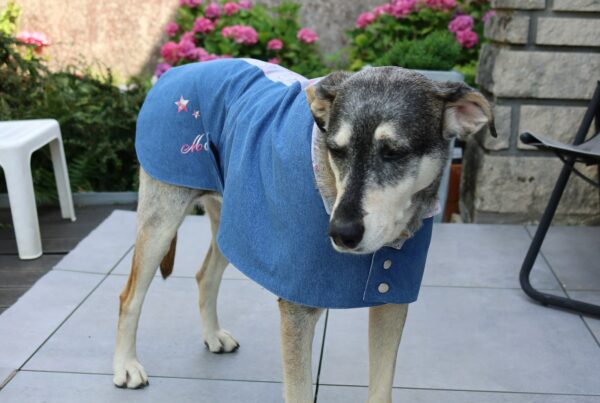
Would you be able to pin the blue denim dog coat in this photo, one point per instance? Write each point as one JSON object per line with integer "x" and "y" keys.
{"x": 243, "y": 128}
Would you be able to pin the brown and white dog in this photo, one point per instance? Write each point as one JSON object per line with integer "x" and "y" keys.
{"x": 399, "y": 165}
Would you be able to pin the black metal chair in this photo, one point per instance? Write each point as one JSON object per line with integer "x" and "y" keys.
{"x": 587, "y": 152}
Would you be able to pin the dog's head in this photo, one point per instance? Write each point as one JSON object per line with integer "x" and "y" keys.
{"x": 387, "y": 133}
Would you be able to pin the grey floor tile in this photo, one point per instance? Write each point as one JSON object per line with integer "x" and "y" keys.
{"x": 76, "y": 388}
{"x": 170, "y": 338}
{"x": 26, "y": 324}
{"x": 345, "y": 394}
{"x": 573, "y": 254}
{"x": 193, "y": 239}
{"x": 473, "y": 339}
{"x": 480, "y": 255}
{"x": 100, "y": 251}
{"x": 592, "y": 297}
{"x": 10, "y": 295}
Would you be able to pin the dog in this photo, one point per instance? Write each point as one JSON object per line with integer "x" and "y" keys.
{"x": 322, "y": 191}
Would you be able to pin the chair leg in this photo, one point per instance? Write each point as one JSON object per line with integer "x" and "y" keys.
{"x": 61, "y": 174}
{"x": 534, "y": 249}
{"x": 21, "y": 195}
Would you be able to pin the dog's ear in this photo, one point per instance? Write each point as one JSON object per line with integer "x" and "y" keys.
{"x": 321, "y": 95}
{"x": 466, "y": 110}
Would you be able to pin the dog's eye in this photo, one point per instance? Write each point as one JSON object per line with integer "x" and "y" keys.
{"x": 390, "y": 154}
{"x": 337, "y": 152}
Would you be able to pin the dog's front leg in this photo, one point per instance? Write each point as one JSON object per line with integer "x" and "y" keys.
{"x": 297, "y": 333}
{"x": 385, "y": 330}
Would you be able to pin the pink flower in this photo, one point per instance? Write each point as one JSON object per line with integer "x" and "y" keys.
{"x": 212, "y": 10}
{"x": 241, "y": 34}
{"x": 488, "y": 15}
{"x": 365, "y": 19}
{"x": 169, "y": 52}
{"x": 190, "y": 3}
{"x": 245, "y": 4}
{"x": 38, "y": 39}
{"x": 461, "y": 23}
{"x": 161, "y": 68}
{"x": 400, "y": 8}
{"x": 275, "y": 44}
{"x": 307, "y": 35}
{"x": 440, "y": 4}
{"x": 171, "y": 28}
{"x": 230, "y": 8}
{"x": 199, "y": 53}
{"x": 384, "y": 9}
{"x": 208, "y": 57}
{"x": 186, "y": 47}
{"x": 203, "y": 25}
{"x": 274, "y": 60}
{"x": 467, "y": 38}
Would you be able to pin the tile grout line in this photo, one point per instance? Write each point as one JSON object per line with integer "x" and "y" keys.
{"x": 73, "y": 311}
{"x": 564, "y": 289}
{"x": 321, "y": 355}
{"x": 153, "y": 376}
{"x": 470, "y": 390}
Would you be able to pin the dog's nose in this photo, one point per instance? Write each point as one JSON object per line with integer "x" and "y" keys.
{"x": 346, "y": 233}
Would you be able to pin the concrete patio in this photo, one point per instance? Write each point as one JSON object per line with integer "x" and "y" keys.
{"x": 473, "y": 336}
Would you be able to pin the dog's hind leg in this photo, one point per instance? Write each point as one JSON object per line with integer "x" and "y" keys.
{"x": 297, "y": 333}
{"x": 209, "y": 277}
{"x": 386, "y": 323}
{"x": 161, "y": 208}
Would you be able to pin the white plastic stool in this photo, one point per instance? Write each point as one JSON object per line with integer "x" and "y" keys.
{"x": 18, "y": 140}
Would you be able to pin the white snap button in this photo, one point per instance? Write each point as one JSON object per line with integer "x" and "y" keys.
{"x": 383, "y": 288}
{"x": 387, "y": 264}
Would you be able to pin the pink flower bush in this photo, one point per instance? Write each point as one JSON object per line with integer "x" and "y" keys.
{"x": 274, "y": 60}
{"x": 365, "y": 19}
{"x": 169, "y": 52}
{"x": 242, "y": 34}
{"x": 38, "y": 39}
{"x": 245, "y": 4}
{"x": 275, "y": 44}
{"x": 440, "y": 4}
{"x": 307, "y": 35}
{"x": 383, "y": 9}
{"x": 400, "y": 8}
{"x": 230, "y": 8}
{"x": 171, "y": 29}
{"x": 212, "y": 10}
{"x": 190, "y": 3}
{"x": 461, "y": 23}
{"x": 203, "y": 25}
{"x": 467, "y": 38}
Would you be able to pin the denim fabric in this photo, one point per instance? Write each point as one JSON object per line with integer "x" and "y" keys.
{"x": 254, "y": 129}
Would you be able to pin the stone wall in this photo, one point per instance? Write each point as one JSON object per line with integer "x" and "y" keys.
{"x": 126, "y": 35}
{"x": 540, "y": 69}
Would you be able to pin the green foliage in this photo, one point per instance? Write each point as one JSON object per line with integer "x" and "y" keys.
{"x": 8, "y": 18}
{"x": 97, "y": 120}
{"x": 437, "y": 51}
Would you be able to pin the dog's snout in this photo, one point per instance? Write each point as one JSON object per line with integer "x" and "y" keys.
{"x": 346, "y": 233}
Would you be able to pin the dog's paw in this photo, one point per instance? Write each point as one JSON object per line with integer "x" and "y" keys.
{"x": 220, "y": 342}
{"x": 130, "y": 374}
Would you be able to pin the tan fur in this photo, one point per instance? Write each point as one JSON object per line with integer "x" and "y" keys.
{"x": 319, "y": 107}
{"x": 297, "y": 333}
{"x": 166, "y": 265}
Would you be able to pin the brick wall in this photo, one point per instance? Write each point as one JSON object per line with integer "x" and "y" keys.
{"x": 540, "y": 69}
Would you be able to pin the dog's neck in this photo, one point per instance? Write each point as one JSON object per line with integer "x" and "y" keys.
{"x": 422, "y": 203}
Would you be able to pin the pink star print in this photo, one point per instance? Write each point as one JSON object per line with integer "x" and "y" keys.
{"x": 196, "y": 114}
{"x": 182, "y": 104}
